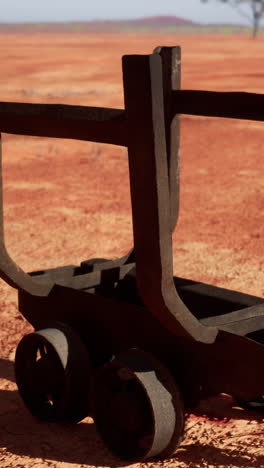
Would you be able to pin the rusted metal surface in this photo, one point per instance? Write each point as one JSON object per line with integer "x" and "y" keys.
{"x": 210, "y": 340}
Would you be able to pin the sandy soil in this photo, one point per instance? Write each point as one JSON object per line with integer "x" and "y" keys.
{"x": 66, "y": 201}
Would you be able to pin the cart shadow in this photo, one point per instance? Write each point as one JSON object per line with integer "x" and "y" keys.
{"x": 22, "y": 435}
{"x": 7, "y": 370}
{"x": 194, "y": 453}
{"x": 224, "y": 407}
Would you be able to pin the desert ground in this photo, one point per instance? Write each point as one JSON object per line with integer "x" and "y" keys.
{"x": 66, "y": 201}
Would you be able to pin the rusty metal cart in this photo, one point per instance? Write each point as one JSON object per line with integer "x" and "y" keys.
{"x": 123, "y": 340}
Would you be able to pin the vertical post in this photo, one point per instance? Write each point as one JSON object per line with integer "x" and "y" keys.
{"x": 150, "y": 197}
{"x": 148, "y": 166}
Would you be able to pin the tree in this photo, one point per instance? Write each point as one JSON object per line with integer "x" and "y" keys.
{"x": 256, "y": 7}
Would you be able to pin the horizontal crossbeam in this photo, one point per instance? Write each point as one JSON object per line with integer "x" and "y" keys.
{"x": 233, "y": 105}
{"x": 106, "y": 125}
{"x": 64, "y": 121}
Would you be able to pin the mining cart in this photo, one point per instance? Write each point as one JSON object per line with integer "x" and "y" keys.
{"x": 123, "y": 340}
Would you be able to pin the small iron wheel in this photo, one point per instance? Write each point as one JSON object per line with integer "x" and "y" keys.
{"x": 53, "y": 374}
{"x": 137, "y": 407}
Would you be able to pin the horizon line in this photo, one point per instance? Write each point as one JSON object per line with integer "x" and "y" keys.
{"x": 101, "y": 20}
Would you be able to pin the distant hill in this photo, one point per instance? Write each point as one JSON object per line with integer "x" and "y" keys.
{"x": 152, "y": 24}
{"x": 147, "y": 24}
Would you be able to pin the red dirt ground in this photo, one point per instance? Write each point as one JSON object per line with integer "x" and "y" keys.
{"x": 66, "y": 201}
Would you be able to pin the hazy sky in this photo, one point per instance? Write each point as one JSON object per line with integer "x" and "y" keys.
{"x": 74, "y": 10}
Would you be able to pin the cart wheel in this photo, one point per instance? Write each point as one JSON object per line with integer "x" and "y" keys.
{"x": 137, "y": 407}
{"x": 53, "y": 374}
